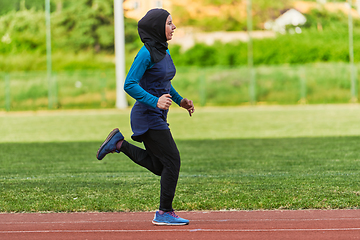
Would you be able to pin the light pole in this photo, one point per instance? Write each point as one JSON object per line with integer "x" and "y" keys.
{"x": 119, "y": 54}
{"x": 351, "y": 56}
{"x": 48, "y": 52}
{"x": 252, "y": 88}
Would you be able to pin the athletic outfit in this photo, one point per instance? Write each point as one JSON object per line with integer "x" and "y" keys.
{"x": 148, "y": 79}
{"x": 146, "y": 82}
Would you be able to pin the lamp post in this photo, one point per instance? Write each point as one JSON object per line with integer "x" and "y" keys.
{"x": 351, "y": 56}
{"x": 48, "y": 52}
{"x": 119, "y": 53}
{"x": 252, "y": 88}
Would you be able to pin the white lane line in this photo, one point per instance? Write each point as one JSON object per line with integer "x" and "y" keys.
{"x": 73, "y": 222}
{"x": 184, "y": 230}
{"x": 192, "y": 220}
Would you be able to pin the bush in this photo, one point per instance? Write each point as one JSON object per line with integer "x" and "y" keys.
{"x": 22, "y": 31}
{"x": 310, "y": 46}
{"x": 85, "y": 25}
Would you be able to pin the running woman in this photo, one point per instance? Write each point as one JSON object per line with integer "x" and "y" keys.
{"x": 149, "y": 83}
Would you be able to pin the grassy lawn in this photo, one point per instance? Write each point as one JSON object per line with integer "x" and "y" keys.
{"x": 278, "y": 157}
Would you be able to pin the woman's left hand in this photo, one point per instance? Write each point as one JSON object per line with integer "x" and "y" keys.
{"x": 188, "y": 105}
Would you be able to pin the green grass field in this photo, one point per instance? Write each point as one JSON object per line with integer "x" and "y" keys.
{"x": 270, "y": 157}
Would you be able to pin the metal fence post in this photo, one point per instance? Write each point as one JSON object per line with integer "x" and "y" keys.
{"x": 302, "y": 75}
{"x": 202, "y": 82}
{"x": 55, "y": 90}
{"x": 103, "y": 88}
{"x": 7, "y": 92}
{"x": 252, "y": 86}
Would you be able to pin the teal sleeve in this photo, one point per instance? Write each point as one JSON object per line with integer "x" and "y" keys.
{"x": 141, "y": 63}
{"x": 175, "y": 96}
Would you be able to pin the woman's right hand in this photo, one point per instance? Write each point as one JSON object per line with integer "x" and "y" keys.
{"x": 164, "y": 102}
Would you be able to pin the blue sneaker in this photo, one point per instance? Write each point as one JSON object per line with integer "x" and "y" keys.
{"x": 169, "y": 218}
{"x": 109, "y": 145}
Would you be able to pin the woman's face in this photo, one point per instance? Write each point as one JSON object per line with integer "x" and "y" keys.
{"x": 169, "y": 28}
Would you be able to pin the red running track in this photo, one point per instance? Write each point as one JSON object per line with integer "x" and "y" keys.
{"x": 304, "y": 224}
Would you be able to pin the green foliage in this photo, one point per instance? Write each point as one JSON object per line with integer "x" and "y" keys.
{"x": 16, "y": 5}
{"x": 210, "y": 86}
{"x": 327, "y": 20}
{"x": 201, "y": 55}
{"x": 60, "y": 61}
{"x": 263, "y": 10}
{"x": 22, "y": 31}
{"x": 7, "y": 6}
{"x": 324, "y": 38}
{"x": 85, "y": 25}
{"x": 328, "y": 45}
{"x": 132, "y": 39}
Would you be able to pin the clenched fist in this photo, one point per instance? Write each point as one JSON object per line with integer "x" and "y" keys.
{"x": 164, "y": 102}
{"x": 188, "y": 105}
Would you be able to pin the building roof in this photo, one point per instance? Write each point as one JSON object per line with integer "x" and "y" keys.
{"x": 291, "y": 17}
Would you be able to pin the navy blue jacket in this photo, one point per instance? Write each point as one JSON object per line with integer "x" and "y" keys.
{"x": 146, "y": 82}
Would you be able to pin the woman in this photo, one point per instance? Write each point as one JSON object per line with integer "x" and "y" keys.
{"x": 149, "y": 82}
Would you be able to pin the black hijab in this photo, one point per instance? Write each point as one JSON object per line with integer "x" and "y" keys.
{"x": 151, "y": 29}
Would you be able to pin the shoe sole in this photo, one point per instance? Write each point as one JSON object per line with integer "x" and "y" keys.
{"x": 169, "y": 224}
{"x": 109, "y": 137}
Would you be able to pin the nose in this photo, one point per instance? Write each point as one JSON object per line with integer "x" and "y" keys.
{"x": 174, "y": 27}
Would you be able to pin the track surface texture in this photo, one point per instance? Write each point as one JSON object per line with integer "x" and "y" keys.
{"x": 209, "y": 225}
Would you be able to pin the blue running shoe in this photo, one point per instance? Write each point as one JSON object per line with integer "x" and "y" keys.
{"x": 169, "y": 218}
{"x": 109, "y": 145}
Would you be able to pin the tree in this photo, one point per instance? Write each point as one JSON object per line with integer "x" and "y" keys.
{"x": 22, "y": 31}
{"x": 86, "y": 24}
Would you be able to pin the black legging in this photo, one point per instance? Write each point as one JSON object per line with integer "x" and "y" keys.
{"x": 162, "y": 158}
